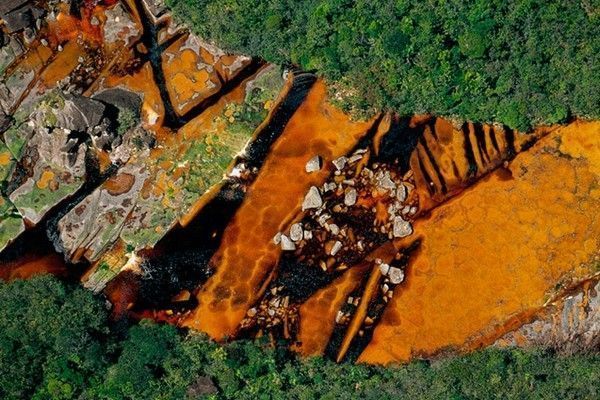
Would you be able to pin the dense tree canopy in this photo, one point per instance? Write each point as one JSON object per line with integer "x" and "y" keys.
{"x": 522, "y": 63}
{"x": 57, "y": 343}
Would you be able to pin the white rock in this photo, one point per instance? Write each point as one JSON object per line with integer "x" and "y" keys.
{"x": 384, "y": 268}
{"x": 401, "y": 228}
{"x": 354, "y": 158}
{"x": 314, "y": 164}
{"x": 401, "y": 192}
{"x": 296, "y": 232}
{"x": 312, "y": 199}
{"x": 350, "y": 197}
{"x": 237, "y": 171}
{"x": 334, "y": 229}
{"x": 340, "y": 163}
{"x": 277, "y": 238}
{"x": 327, "y": 187}
{"x": 308, "y": 235}
{"x": 287, "y": 244}
{"x": 337, "y": 246}
{"x": 395, "y": 275}
{"x": 385, "y": 181}
{"x": 322, "y": 220}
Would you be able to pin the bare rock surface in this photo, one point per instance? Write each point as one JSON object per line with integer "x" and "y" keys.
{"x": 570, "y": 325}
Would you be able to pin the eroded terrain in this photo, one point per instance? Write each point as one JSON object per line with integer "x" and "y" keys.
{"x": 227, "y": 195}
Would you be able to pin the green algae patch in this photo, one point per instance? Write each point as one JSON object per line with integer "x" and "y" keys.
{"x": 11, "y": 223}
{"x": 202, "y": 163}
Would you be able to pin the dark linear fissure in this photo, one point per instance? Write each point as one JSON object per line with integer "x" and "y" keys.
{"x": 434, "y": 164}
{"x": 481, "y": 143}
{"x": 180, "y": 261}
{"x": 494, "y": 140}
{"x": 470, "y": 156}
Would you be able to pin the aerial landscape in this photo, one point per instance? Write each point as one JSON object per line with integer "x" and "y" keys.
{"x": 319, "y": 199}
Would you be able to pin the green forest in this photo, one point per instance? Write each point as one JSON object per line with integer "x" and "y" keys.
{"x": 521, "y": 63}
{"x": 57, "y": 342}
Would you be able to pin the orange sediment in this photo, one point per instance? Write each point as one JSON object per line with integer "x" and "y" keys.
{"x": 29, "y": 266}
{"x": 317, "y": 314}
{"x": 495, "y": 253}
{"x": 247, "y": 253}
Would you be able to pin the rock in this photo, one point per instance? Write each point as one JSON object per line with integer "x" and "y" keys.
{"x": 95, "y": 223}
{"x": 395, "y": 275}
{"x": 52, "y": 162}
{"x": 384, "y": 268}
{"x": 384, "y": 181}
{"x": 312, "y": 199}
{"x": 14, "y": 86}
{"x": 5, "y": 122}
{"x": 277, "y": 238}
{"x": 21, "y": 18}
{"x": 287, "y": 244}
{"x": 401, "y": 227}
{"x": 570, "y": 325}
{"x": 9, "y": 5}
{"x": 354, "y": 158}
{"x": 134, "y": 141}
{"x": 80, "y": 113}
{"x": 251, "y": 312}
{"x": 401, "y": 193}
{"x": 334, "y": 229}
{"x": 11, "y": 223}
{"x": 308, "y": 235}
{"x": 329, "y": 186}
{"x": 313, "y": 165}
{"x": 322, "y": 220}
{"x": 350, "y": 197}
{"x": 296, "y": 232}
{"x": 119, "y": 26}
{"x": 340, "y": 163}
{"x": 10, "y": 49}
{"x": 337, "y": 246}
{"x": 122, "y": 99}
{"x": 156, "y": 7}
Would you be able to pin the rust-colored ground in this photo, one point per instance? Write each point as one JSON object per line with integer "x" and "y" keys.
{"x": 498, "y": 251}
{"x": 488, "y": 259}
{"x": 32, "y": 265}
{"x": 247, "y": 253}
{"x": 317, "y": 314}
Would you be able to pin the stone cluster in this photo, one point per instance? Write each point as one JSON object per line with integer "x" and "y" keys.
{"x": 360, "y": 206}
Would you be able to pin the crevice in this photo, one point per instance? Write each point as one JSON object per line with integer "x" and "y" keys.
{"x": 469, "y": 155}
{"x": 180, "y": 260}
{"x": 434, "y": 165}
{"x": 149, "y": 39}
